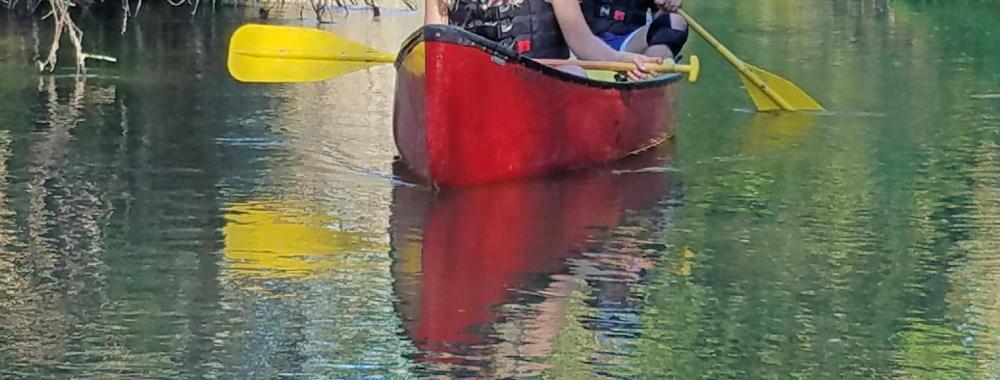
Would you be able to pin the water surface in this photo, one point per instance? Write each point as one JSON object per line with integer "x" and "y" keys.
{"x": 160, "y": 220}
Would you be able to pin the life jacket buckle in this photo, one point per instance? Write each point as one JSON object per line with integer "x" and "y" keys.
{"x": 498, "y": 12}
{"x": 496, "y": 31}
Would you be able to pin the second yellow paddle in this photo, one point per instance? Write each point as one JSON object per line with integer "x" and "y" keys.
{"x": 273, "y": 54}
{"x": 768, "y": 91}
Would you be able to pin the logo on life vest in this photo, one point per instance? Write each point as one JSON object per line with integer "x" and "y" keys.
{"x": 619, "y": 16}
{"x": 523, "y": 46}
{"x": 605, "y": 11}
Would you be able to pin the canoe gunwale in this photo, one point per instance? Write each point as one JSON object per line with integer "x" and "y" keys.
{"x": 457, "y": 35}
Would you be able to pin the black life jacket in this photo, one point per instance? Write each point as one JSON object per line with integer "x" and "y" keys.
{"x": 528, "y": 28}
{"x": 619, "y": 17}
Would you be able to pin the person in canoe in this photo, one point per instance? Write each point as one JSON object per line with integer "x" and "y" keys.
{"x": 535, "y": 29}
{"x": 622, "y": 24}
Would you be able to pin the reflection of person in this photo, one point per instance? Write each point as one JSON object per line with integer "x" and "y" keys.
{"x": 623, "y": 25}
{"x": 611, "y": 314}
{"x": 535, "y": 29}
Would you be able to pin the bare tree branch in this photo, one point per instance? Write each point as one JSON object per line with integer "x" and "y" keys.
{"x": 64, "y": 25}
{"x": 125, "y": 15}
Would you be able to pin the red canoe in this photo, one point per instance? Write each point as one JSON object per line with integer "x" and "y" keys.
{"x": 468, "y": 111}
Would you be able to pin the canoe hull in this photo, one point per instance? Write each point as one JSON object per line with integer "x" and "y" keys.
{"x": 467, "y": 112}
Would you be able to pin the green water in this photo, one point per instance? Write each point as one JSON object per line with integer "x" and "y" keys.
{"x": 160, "y": 220}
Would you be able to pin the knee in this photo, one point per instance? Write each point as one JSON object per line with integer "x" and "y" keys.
{"x": 678, "y": 22}
{"x": 668, "y": 29}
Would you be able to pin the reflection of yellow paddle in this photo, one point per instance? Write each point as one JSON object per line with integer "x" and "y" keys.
{"x": 768, "y": 91}
{"x": 268, "y": 53}
{"x": 685, "y": 265}
{"x": 775, "y": 132}
{"x": 281, "y": 240}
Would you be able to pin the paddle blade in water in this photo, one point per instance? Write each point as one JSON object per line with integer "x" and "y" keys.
{"x": 268, "y": 53}
{"x": 797, "y": 99}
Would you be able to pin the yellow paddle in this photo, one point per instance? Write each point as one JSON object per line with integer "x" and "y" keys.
{"x": 271, "y": 54}
{"x": 768, "y": 91}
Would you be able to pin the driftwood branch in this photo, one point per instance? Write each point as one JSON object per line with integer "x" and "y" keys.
{"x": 63, "y": 23}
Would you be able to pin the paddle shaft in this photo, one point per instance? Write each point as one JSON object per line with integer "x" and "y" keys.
{"x": 617, "y": 66}
{"x": 736, "y": 62}
{"x": 370, "y": 58}
{"x": 388, "y": 58}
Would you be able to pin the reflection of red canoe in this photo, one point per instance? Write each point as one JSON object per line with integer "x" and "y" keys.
{"x": 470, "y": 112}
{"x": 461, "y": 252}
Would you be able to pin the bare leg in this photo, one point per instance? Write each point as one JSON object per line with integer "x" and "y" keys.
{"x": 658, "y": 51}
{"x": 638, "y": 43}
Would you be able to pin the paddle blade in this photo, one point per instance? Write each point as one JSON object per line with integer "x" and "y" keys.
{"x": 262, "y": 70}
{"x": 797, "y": 99}
{"x": 271, "y": 54}
{"x": 415, "y": 60}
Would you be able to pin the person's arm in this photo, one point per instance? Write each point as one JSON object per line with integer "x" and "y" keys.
{"x": 435, "y": 12}
{"x": 586, "y": 46}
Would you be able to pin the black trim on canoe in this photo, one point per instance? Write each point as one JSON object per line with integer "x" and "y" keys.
{"x": 459, "y": 36}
